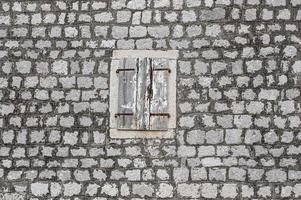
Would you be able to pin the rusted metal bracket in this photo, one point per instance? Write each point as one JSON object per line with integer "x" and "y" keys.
{"x": 160, "y": 114}
{"x": 127, "y": 114}
{"x": 120, "y": 70}
{"x": 162, "y": 69}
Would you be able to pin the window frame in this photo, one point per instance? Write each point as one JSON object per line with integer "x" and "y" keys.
{"x": 172, "y": 56}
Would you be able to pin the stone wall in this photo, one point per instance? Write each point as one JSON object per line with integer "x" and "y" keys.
{"x": 238, "y": 133}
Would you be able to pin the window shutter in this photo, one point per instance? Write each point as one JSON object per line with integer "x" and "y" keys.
{"x": 159, "y": 102}
{"x": 127, "y": 75}
{"x": 143, "y": 94}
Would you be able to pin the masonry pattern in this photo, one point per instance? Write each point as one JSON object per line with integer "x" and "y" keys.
{"x": 238, "y": 92}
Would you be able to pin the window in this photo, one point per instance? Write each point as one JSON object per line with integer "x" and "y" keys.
{"x": 143, "y": 93}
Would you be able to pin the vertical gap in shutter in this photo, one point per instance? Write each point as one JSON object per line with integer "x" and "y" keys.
{"x": 143, "y": 94}
{"x": 159, "y": 101}
{"x": 126, "y": 94}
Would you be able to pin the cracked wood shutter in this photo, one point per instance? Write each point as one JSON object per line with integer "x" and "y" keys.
{"x": 143, "y": 94}
{"x": 159, "y": 102}
{"x": 127, "y": 93}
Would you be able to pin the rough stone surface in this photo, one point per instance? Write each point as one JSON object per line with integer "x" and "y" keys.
{"x": 238, "y": 100}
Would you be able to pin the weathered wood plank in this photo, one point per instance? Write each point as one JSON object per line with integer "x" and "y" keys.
{"x": 143, "y": 94}
{"x": 159, "y": 100}
{"x": 127, "y": 95}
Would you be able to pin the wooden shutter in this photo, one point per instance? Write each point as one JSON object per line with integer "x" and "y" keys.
{"x": 127, "y": 75}
{"x": 143, "y": 94}
{"x": 159, "y": 102}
